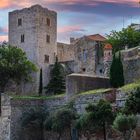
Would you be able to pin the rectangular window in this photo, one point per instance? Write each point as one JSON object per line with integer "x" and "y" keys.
{"x": 46, "y": 59}
{"x": 48, "y": 22}
{"x": 22, "y": 38}
{"x": 48, "y": 38}
{"x": 19, "y": 22}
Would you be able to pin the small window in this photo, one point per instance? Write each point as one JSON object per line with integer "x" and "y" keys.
{"x": 85, "y": 55}
{"x": 48, "y": 38}
{"x": 22, "y": 38}
{"x": 48, "y": 22}
{"x": 19, "y": 22}
{"x": 83, "y": 69}
{"x": 101, "y": 71}
{"x": 46, "y": 59}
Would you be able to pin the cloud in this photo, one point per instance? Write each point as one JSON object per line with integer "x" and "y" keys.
{"x": 3, "y": 38}
{"x": 3, "y": 30}
{"x": 70, "y": 28}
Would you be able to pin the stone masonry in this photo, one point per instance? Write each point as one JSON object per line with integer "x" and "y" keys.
{"x": 34, "y": 30}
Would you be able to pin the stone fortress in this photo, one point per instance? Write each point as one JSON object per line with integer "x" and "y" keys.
{"x": 34, "y": 30}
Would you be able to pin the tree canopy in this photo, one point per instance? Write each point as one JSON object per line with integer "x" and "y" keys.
{"x": 60, "y": 121}
{"x": 14, "y": 65}
{"x": 97, "y": 117}
{"x": 132, "y": 104}
{"x": 127, "y": 36}
{"x": 125, "y": 123}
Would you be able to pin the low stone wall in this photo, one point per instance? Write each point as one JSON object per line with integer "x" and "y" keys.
{"x": 5, "y": 118}
{"x": 76, "y": 83}
{"x": 13, "y": 109}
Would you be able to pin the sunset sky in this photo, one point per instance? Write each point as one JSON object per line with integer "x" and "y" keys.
{"x": 79, "y": 17}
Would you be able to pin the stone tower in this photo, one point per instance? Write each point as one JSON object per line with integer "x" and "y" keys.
{"x": 107, "y": 59}
{"x": 34, "y": 30}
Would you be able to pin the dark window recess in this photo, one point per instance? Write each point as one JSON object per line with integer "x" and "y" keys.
{"x": 83, "y": 69}
{"x": 48, "y": 38}
{"x": 19, "y": 22}
{"x": 101, "y": 71}
{"x": 22, "y": 39}
{"x": 46, "y": 58}
{"x": 48, "y": 22}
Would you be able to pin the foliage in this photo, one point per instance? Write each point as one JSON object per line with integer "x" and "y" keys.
{"x": 125, "y": 124}
{"x": 60, "y": 121}
{"x": 116, "y": 72}
{"x": 122, "y": 38}
{"x": 17, "y": 97}
{"x": 14, "y": 65}
{"x": 40, "y": 83}
{"x": 97, "y": 117}
{"x": 130, "y": 87}
{"x": 57, "y": 82}
{"x": 132, "y": 104}
{"x": 33, "y": 117}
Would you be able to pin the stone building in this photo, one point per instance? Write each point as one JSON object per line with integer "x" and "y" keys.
{"x": 65, "y": 52}
{"x": 34, "y": 30}
{"x": 107, "y": 59}
{"x": 89, "y": 55}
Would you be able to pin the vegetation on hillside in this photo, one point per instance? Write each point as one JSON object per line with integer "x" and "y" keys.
{"x": 97, "y": 118}
{"x": 125, "y": 124}
{"x": 119, "y": 39}
{"x": 14, "y": 66}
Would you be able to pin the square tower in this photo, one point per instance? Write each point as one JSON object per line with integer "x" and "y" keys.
{"x": 34, "y": 30}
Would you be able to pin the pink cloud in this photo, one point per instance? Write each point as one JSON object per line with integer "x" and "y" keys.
{"x": 70, "y": 28}
{"x": 26, "y": 3}
{"x": 3, "y": 38}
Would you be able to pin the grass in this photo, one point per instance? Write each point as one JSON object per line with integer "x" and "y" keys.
{"x": 130, "y": 87}
{"x": 96, "y": 91}
{"x": 37, "y": 97}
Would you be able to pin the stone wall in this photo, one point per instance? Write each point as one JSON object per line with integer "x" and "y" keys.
{"x": 13, "y": 109}
{"x": 77, "y": 83}
{"x": 65, "y": 52}
{"x": 131, "y": 64}
{"x": 5, "y": 118}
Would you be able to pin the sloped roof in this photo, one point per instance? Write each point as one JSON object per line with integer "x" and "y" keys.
{"x": 96, "y": 37}
{"x": 108, "y": 46}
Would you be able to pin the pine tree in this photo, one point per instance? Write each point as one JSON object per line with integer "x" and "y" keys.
{"x": 116, "y": 72}
{"x": 57, "y": 81}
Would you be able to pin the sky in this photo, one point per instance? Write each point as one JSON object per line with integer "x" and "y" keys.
{"x": 77, "y": 18}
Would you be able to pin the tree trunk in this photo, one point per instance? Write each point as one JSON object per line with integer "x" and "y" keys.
{"x": 104, "y": 129}
{"x": 59, "y": 136}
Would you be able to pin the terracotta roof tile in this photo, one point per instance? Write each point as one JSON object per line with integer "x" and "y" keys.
{"x": 96, "y": 37}
{"x": 108, "y": 46}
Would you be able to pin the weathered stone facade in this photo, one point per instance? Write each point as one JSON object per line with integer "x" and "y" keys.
{"x": 89, "y": 55}
{"x": 34, "y": 30}
{"x": 77, "y": 83}
{"x": 131, "y": 64}
{"x": 65, "y": 52}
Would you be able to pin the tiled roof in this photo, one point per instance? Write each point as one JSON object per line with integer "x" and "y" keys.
{"x": 96, "y": 37}
{"x": 108, "y": 46}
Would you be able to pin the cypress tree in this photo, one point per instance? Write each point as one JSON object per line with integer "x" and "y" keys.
{"x": 116, "y": 72}
{"x": 40, "y": 83}
{"x": 57, "y": 81}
